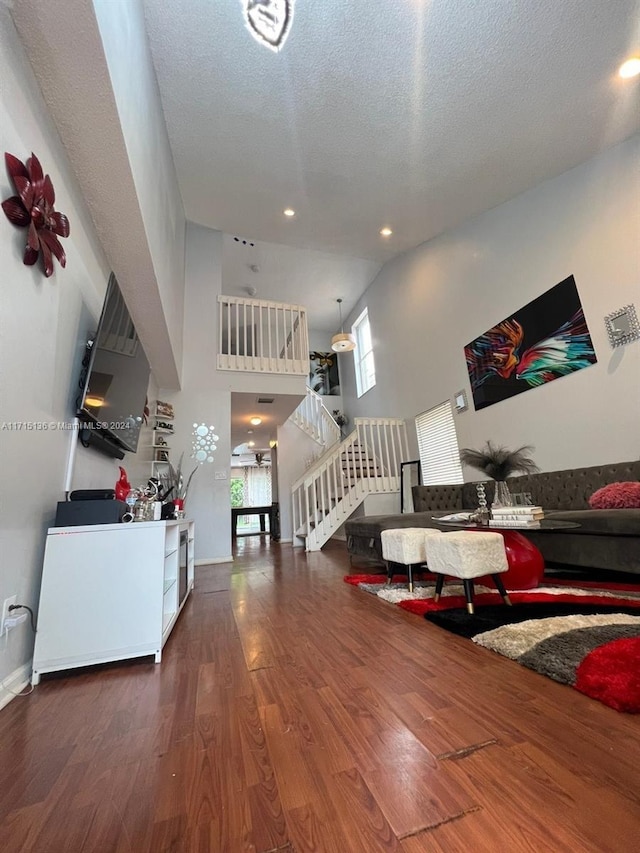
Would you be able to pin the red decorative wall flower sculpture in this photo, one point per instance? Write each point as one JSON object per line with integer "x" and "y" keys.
{"x": 33, "y": 206}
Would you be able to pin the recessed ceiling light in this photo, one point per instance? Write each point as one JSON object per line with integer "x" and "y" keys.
{"x": 256, "y": 421}
{"x": 386, "y": 232}
{"x": 630, "y": 68}
{"x": 251, "y": 444}
{"x": 289, "y": 211}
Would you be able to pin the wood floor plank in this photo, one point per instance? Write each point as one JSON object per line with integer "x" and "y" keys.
{"x": 293, "y": 712}
{"x": 295, "y": 781}
{"x": 552, "y": 802}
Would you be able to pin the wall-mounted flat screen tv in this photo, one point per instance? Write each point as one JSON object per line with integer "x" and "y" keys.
{"x": 117, "y": 375}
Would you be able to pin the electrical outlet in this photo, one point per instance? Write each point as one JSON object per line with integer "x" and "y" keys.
{"x": 5, "y": 611}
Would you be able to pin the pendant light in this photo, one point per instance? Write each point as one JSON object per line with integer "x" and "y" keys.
{"x": 343, "y": 342}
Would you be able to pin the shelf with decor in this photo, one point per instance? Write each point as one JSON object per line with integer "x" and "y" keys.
{"x": 163, "y": 411}
{"x": 163, "y": 417}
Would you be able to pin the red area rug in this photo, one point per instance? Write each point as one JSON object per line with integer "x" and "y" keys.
{"x": 611, "y": 673}
{"x": 585, "y": 635}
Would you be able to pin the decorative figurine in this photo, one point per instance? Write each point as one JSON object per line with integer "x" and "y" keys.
{"x": 123, "y": 486}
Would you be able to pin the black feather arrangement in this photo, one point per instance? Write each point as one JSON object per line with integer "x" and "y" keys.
{"x": 498, "y": 462}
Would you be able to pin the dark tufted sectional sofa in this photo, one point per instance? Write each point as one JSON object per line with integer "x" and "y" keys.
{"x": 606, "y": 539}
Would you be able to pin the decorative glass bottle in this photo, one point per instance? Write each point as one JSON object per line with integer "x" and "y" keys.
{"x": 482, "y": 514}
{"x": 501, "y": 495}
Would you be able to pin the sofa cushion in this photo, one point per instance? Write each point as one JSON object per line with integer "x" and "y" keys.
{"x": 605, "y": 522}
{"x": 616, "y": 496}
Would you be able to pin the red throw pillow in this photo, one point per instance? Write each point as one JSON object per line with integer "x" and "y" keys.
{"x": 616, "y": 496}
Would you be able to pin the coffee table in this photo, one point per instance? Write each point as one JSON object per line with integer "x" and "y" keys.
{"x": 526, "y": 563}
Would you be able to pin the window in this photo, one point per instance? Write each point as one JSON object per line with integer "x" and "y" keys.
{"x": 438, "y": 446}
{"x": 363, "y": 355}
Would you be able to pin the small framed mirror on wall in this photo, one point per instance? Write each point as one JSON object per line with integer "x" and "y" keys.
{"x": 623, "y": 326}
{"x": 410, "y": 473}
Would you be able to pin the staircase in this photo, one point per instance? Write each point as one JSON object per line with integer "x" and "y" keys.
{"x": 367, "y": 462}
{"x": 313, "y": 417}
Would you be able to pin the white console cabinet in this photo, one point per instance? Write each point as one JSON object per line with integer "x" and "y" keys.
{"x": 111, "y": 591}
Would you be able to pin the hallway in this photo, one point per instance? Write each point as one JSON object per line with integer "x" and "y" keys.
{"x": 292, "y": 712}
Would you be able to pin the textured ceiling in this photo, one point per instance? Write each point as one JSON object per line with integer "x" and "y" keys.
{"x": 407, "y": 113}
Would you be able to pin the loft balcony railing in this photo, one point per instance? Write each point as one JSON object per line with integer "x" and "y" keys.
{"x": 261, "y": 336}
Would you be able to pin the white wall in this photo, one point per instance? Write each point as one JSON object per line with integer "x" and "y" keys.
{"x": 44, "y": 324}
{"x": 206, "y": 394}
{"x": 135, "y": 88}
{"x": 201, "y": 399}
{"x": 425, "y": 305}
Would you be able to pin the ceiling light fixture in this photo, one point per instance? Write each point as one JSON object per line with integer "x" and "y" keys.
{"x": 268, "y": 21}
{"x": 289, "y": 211}
{"x": 251, "y": 444}
{"x": 255, "y": 421}
{"x": 630, "y": 68}
{"x": 386, "y": 231}
{"x": 343, "y": 342}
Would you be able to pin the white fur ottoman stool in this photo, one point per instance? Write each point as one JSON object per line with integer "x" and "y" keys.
{"x": 406, "y": 546}
{"x": 468, "y": 555}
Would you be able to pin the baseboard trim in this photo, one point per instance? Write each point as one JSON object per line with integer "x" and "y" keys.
{"x": 14, "y": 683}
{"x": 286, "y": 541}
{"x": 206, "y": 561}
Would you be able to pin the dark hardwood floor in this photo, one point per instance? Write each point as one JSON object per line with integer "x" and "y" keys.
{"x": 292, "y": 712}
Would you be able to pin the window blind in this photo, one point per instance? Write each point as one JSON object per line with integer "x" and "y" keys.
{"x": 438, "y": 446}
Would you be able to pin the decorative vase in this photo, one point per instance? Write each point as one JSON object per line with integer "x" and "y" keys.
{"x": 501, "y": 495}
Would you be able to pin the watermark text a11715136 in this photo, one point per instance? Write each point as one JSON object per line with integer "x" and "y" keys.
{"x": 53, "y": 426}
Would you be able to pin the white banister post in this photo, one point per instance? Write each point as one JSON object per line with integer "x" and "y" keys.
{"x": 385, "y": 431}
{"x": 220, "y": 327}
{"x": 371, "y": 453}
{"x": 395, "y": 445}
{"x": 391, "y": 430}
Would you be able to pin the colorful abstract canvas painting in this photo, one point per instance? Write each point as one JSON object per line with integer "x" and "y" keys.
{"x": 543, "y": 341}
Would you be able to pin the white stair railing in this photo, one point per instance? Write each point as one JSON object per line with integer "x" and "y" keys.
{"x": 261, "y": 336}
{"x": 366, "y": 462}
{"x": 313, "y": 417}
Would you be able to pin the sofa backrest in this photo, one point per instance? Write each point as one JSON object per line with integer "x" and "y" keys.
{"x": 572, "y": 489}
{"x": 436, "y": 498}
{"x": 569, "y": 489}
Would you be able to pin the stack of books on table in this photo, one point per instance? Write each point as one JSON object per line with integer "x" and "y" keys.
{"x": 516, "y": 516}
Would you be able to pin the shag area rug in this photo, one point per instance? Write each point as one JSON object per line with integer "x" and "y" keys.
{"x": 587, "y": 636}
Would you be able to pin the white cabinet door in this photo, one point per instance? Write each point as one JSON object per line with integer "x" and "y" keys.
{"x": 101, "y": 595}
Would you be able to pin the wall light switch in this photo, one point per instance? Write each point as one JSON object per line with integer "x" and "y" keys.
{"x": 220, "y": 475}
